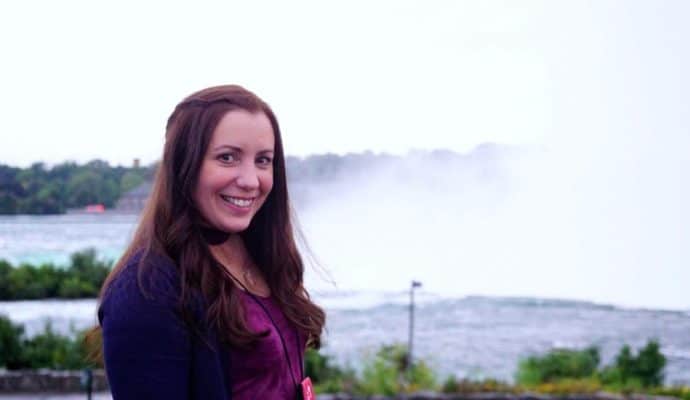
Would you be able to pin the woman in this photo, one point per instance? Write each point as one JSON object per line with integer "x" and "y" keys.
{"x": 208, "y": 300}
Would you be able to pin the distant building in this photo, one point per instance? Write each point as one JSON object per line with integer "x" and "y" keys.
{"x": 134, "y": 200}
{"x": 94, "y": 208}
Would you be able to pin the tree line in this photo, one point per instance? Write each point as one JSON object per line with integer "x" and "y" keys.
{"x": 40, "y": 189}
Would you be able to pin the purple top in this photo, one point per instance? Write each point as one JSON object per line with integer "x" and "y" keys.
{"x": 265, "y": 371}
{"x": 150, "y": 352}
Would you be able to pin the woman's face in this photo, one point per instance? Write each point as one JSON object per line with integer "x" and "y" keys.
{"x": 236, "y": 174}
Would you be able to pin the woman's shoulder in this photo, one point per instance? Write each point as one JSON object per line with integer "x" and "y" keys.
{"x": 143, "y": 278}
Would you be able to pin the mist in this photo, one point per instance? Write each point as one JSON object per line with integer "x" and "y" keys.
{"x": 605, "y": 222}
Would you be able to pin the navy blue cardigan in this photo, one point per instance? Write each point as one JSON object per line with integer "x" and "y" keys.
{"x": 149, "y": 350}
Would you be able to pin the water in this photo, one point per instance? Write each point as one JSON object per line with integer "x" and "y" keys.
{"x": 468, "y": 336}
{"x": 475, "y": 337}
{"x": 38, "y": 239}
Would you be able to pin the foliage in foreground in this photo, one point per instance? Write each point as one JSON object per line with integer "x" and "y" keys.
{"x": 48, "y": 349}
{"x": 81, "y": 279}
{"x": 563, "y": 372}
{"x": 384, "y": 373}
{"x": 558, "y": 364}
{"x": 559, "y": 372}
{"x": 567, "y": 370}
{"x": 327, "y": 377}
{"x": 388, "y": 373}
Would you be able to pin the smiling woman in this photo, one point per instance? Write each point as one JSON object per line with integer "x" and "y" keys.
{"x": 208, "y": 300}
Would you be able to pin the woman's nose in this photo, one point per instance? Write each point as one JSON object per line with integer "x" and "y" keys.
{"x": 247, "y": 177}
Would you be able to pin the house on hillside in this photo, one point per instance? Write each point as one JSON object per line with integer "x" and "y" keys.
{"x": 133, "y": 201}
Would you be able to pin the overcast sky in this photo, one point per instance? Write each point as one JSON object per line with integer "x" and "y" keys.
{"x": 84, "y": 80}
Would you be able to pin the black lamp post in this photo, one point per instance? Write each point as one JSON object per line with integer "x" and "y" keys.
{"x": 413, "y": 286}
{"x": 87, "y": 381}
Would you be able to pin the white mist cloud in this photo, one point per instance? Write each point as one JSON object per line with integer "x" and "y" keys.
{"x": 606, "y": 224}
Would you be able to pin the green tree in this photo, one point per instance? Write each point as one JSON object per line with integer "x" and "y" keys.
{"x": 558, "y": 364}
{"x": 130, "y": 180}
{"x": 25, "y": 283}
{"x": 386, "y": 374}
{"x": 6, "y": 291}
{"x": 327, "y": 378}
{"x": 650, "y": 365}
{"x": 86, "y": 267}
{"x": 646, "y": 369}
{"x": 10, "y": 343}
{"x": 82, "y": 188}
{"x": 47, "y": 350}
{"x": 74, "y": 288}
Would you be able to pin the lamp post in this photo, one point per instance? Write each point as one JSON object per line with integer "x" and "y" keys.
{"x": 87, "y": 381}
{"x": 413, "y": 286}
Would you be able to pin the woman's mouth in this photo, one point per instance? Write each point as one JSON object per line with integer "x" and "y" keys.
{"x": 238, "y": 201}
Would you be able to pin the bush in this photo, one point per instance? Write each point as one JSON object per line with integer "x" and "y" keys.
{"x": 25, "y": 283}
{"x": 10, "y": 343}
{"x": 681, "y": 392}
{"x": 570, "y": 386}
{"x": 87, "y": 268}
{"x": 386, "y": 374}
{"x": 81, "y": 279}
{"x": 74, "y": 288}
{"x": 631, "y": 372}
{"x": 453, "y": 385}
{"x": 48, "y": 349}
{"x": 327, "y": 378}
{"x": 558, "y": 364}
{"x": 5, "y": 286}
{"x": 564, "y": 370}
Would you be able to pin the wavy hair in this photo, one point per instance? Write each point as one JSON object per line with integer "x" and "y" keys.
{"x": 171, "y": 225}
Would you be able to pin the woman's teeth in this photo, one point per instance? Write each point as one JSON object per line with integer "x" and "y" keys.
{"x": 238, "y": 202}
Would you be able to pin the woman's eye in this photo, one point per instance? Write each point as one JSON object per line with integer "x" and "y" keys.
{"x": 265, "y": 160}
{"x": 227, "y": 157}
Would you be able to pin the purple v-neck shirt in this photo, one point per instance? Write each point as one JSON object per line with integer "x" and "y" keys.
{"x": 265, "y": 372}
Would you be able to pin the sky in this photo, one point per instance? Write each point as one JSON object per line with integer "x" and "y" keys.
{"x": 85, "y": 80}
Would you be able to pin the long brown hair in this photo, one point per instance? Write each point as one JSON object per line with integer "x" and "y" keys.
{"x": 171, "y": 225}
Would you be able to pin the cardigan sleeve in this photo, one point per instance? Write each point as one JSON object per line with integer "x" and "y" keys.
{"x": 147, "y": 345}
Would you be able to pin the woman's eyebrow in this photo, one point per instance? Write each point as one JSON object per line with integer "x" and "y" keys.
{"x": 227, "y": 146}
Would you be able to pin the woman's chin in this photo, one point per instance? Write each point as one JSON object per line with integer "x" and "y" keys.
{"x": 234, "y": 227}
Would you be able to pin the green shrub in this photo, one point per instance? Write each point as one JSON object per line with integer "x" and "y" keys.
{"x": 5, "y": 285}
{"x": 631, "y": 372}
{"x": 86, "y": 266}
{"x": 558, "y": 364}
{"x": 681, "y": 392}
{"x": 82, "y": 278}
{"x": 10, "y": 343}
{"x": 52, "y": 350}
{"x": 74, "y": 288}
{"x": 326, "y": 377}
{"x": 46, "y": 350}
{"x": 453, "y": 385}
{"x": 386, "y": 374}
{"x": 25, "y": 283}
